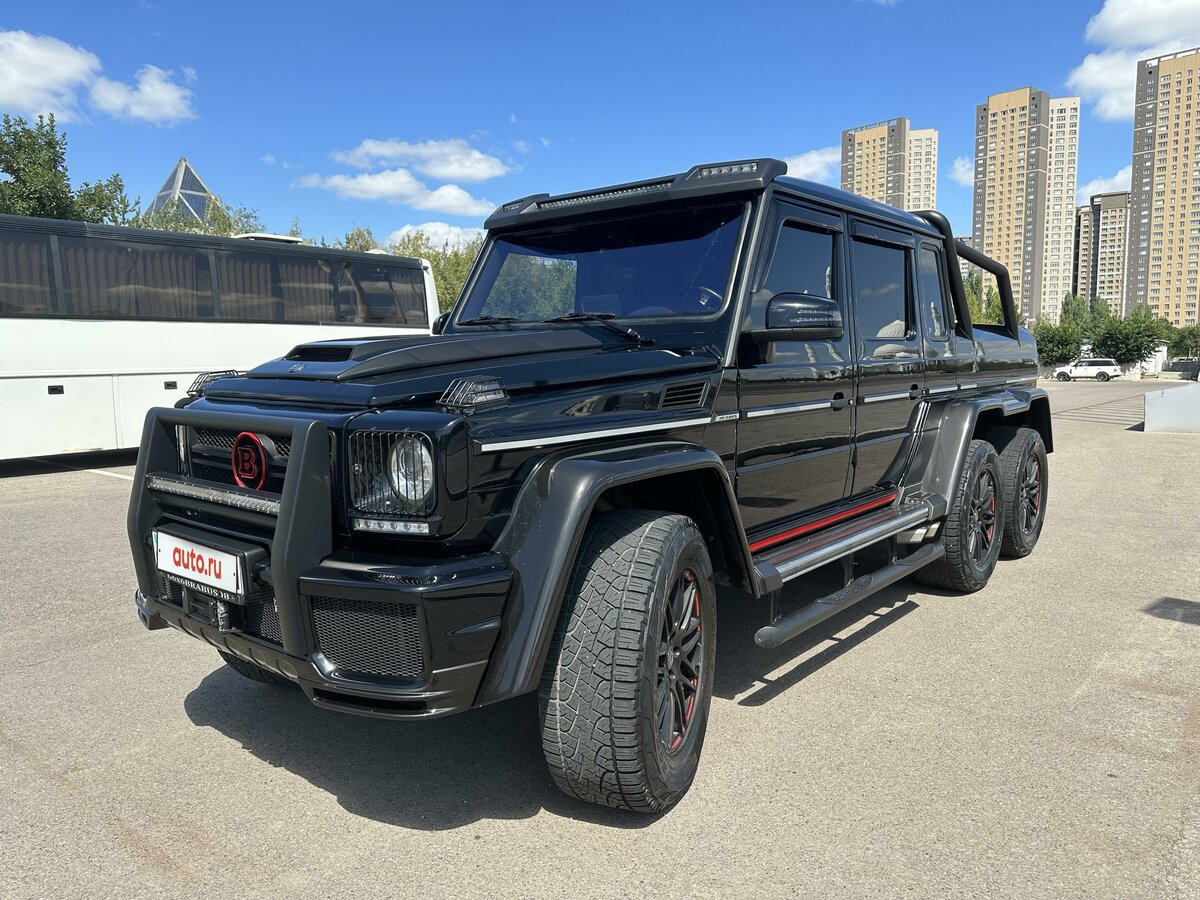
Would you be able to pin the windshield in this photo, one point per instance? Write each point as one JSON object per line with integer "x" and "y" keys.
{"x": 662, "y": 265}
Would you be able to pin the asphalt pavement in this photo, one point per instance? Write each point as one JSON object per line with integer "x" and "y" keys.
{"x": 1038, "y": 739}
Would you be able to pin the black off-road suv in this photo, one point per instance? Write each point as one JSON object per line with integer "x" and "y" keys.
{"x": 726, "y": 377}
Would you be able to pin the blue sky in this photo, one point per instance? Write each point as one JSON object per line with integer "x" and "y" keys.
{"x": 395, "y": 114}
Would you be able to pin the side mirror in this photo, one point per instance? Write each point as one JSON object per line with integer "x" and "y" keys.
{"x": 801, "y": 317}
{"x": 439, "y": 324}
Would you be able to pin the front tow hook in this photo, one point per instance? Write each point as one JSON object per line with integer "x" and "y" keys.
{"x": 152, "y": 621}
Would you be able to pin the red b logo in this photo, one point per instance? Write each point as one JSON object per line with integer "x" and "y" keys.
{"x": 249, "y": 461}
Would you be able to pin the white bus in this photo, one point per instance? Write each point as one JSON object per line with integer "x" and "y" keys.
{"x": 98, "y": 324}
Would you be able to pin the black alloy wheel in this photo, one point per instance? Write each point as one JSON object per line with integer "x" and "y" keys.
{"x": 973, "y": 526}
{"x": 680, "y": 662}
{"x": 1024, "y": 477}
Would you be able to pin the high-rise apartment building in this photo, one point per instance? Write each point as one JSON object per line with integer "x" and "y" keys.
{"x": 1083, "y": 283}
{"x": 891, "y": 163}
{"x": 1164, "y": 202}
{"x": 921, "y": 171}
{"x": 1026, "y": 150}
{"x": 1101, "y": 238}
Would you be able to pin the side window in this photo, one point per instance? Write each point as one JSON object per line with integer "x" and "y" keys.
{"x": 802, "y": 264}
{"x": 881, "y": 296}
{"x": 112, "y": 279}
{"x": 25, "y": 283}
{"x": 382, "y": 294}
{"x": 933, "y": 300}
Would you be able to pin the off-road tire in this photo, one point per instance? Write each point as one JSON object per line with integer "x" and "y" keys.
{"x": 1062, "y": 376}
{"x": 958, "y": 570}
{"x": 247, "y": 669}
{"x": 1102, "y": 377}
{"x": 601, "y": 737}
{"x": 1017, "y": 447}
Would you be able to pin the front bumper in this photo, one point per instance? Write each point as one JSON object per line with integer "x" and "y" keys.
{"x": 392, "y": 639}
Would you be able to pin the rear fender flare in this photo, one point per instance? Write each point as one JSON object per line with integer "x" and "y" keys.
{"x": 543, "y": 535}
{"x": 951, "y": 425}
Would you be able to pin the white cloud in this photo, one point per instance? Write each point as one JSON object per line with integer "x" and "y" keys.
{"x": 962, "y": 171}
{"x": 522, "y": 146}
{"x": 823, "y": 165}
{"x": 440, "y": 234}
{"x": 448, "y": 160}
{"x": 545, "y": 141}
{"x": 155, "y": 98}
{"x": 1117, "y": 182}
{"x": 1128, "y": 31}
{"x": 267, "y": 159}
{"x": 402, "y": 187}
{"x": 41, "y": 74}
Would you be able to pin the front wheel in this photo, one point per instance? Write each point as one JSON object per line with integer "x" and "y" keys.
{"x": 1063, "y": 376}
{"x": 625, "y": 694}
{"x": 1102, "y": 376}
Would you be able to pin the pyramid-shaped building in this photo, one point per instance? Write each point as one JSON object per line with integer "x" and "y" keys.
{"x": 184, "y": 185}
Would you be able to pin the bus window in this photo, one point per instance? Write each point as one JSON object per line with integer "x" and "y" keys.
{"x": 382, "y": 295}
{"x": 110, "y": 279}
{"x": 25, "y": 285}
{"x": 269, "y": 287}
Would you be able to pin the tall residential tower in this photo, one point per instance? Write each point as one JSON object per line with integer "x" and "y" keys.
{"x": 1164, "y": 203}
{"x": 892, "y": 163}
{"x": 1026, "y": 149}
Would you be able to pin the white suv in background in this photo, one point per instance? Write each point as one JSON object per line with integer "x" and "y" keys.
{"x": 1099, "y": 369}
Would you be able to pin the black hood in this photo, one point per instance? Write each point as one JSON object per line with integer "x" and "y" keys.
{"x": 380, "y": 372}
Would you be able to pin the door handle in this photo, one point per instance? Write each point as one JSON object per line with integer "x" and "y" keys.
{"x": 915, "y": 392}
{"x": 840, "y": 401}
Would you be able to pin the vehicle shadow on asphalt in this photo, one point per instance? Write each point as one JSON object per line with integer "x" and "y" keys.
{"x": 741, "y": 664}
{"x": 100, "y": 459}
{"x": 1175, "y": 609}
{"x": 432, "y": 775}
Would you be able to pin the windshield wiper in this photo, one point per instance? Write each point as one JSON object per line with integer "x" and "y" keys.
{"x": 488, "y": 320}
{"x": 602, "y": 319}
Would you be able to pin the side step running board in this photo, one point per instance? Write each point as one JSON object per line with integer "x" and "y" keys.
{"x": 859, "y": 589}
{"x": 800, "y": 557}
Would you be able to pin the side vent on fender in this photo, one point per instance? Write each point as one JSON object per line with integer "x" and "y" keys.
{"x": 678, "y": 395}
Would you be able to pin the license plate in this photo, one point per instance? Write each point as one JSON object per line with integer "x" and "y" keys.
{"x": 199, "y": 564}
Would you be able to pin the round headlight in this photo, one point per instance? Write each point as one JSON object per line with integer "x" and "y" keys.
{"x": 410, "y": 469}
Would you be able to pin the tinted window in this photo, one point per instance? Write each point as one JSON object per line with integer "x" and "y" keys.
{"x": 803, "y": 262}
{"x": 933, "y": 301}
{"x": 881, "y": 293}
{"x": 129, "y": 279}
{"x": 26, "y": 288}
{"x": 383, "y": 295}
{"x": 269, "y": 287}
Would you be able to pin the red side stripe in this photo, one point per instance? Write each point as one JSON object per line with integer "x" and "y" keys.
{"x": 808, "y": 527}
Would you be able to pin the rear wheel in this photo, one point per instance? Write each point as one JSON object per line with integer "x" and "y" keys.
{"x": 625, "y": 694}
{"x": 1024, "y": 472}
{"x": 1102, "y": 376}
{"x": 247, "y": 669}
{"x": 973, "y": 527}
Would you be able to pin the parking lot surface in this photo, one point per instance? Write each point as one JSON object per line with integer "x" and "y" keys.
{"x": 1040, "y": 738}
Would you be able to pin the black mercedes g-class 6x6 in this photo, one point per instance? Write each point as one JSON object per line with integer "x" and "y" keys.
{"x": 726, "y": 377}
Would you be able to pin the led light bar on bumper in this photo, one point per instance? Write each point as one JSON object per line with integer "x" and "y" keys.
{"x": 391, "y": 479}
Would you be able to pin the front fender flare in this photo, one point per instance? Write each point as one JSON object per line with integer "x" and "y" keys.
{"x": 543, "y": 535}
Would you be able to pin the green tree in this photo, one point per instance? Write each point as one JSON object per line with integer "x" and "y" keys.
{"x": 219, "y": 219}
{"x": 1057, "y": 344}
{"x": 1186, "y": 341}
{"x": 359, "y": 239}
{"x": 33, "y": 161}
{"x": 451, "y": 263}
{"x": 1129, "y": 340}
{"x": 1076, "y": 312}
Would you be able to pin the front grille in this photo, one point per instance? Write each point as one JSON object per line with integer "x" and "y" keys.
{"x": 170, "y": 592}
{"x": 210, "y": 454}
{"x": 368, "y": 637}
{"x": 259, "y": 616}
